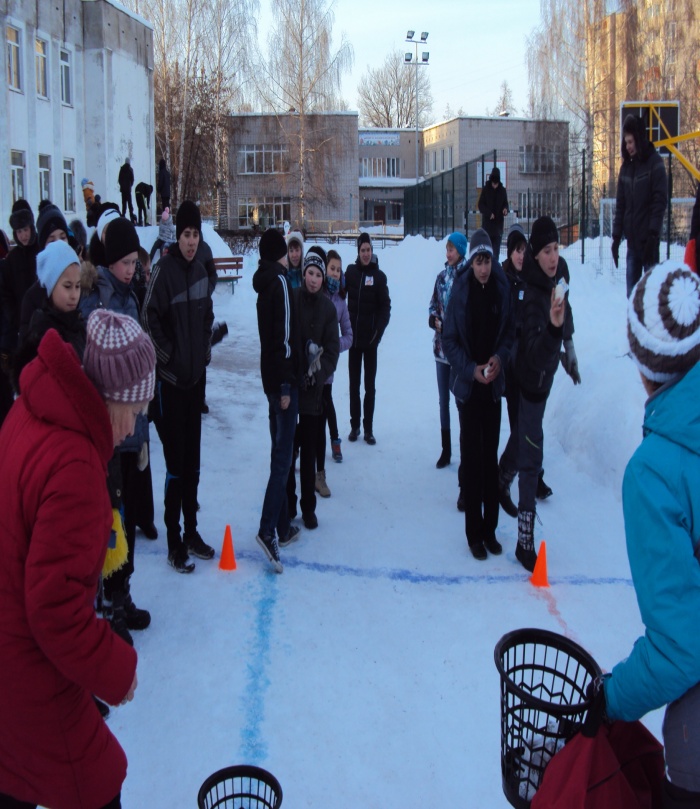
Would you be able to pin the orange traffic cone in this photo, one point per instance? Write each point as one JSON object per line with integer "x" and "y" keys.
{"x": 228, "y": 558}
{"x": 539, "y": 575}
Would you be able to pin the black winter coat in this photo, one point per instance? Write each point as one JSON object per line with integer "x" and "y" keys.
{"x": 126, "y": 178}
{"x": 318, "y": 322}
{"x": 642, "y": 194}
{"x": 540, "y": 342}
{"x": 278, "y": 329}
{"x": 18, "y": 275}
{"x": 177, "y": 314}
{"x": 369, "y": 304}
{"x": 163, "y": 182}
{"x": 493, "y": 201}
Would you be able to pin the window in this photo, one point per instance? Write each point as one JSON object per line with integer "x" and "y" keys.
{"x": 66, "y": 87}
{"x": 263, "y": 159}
{"x": 426, "y": 161}
{"x": 265, "y": 212}
{"x": 534, "y": 159}
{"x": 670, "y": 83}
{"x": 435, "y": 160}
{"x": 449, "y": 157}
{"x": 14, "y": 76}
{"x": 18, "y": 166}
{"x": 442, "y": 159}
{"x": 541, "y": 203}
{"x": 68, "y": 185}
{"x": 41, "y": 52}
{"x": 671, "y": 31}
{"x": 380, "y": 167}
{"x": 44, "y": 176}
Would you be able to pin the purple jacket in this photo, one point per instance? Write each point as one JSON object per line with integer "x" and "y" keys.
{"x": 341, "y": 308}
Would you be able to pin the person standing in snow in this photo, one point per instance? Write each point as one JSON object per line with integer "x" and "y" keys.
{"x": 163, "y": 184}
{"x": 143, "y": 192}
{"x": 369, "y": 305}
{"x": 295, "y": 259}
{"x": 493, "y": 207}
{"x": 126, "y": 181}
{"x": 661, "y": 501}
{"x": 640, "y": 205}
{"x": 477, "y": 339}
{"x": 456, "y": 251}
{"x": 547, "y": 321}
{"x": 166, "y": 233}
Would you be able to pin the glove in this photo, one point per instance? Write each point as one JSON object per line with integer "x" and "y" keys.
{"x": 596, "y": 716}
{"x": 313, "y": 357}
{"x": 570, "y": 361}
{"x": 650, "y": 253}
{"x": 615, "y": 250}
{"x": 142, "y": 460}
{"x": 218, "y": 332}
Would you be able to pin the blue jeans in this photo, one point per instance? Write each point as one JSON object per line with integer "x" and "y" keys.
{"x": 443, "y": 382}
{"x": 283, "y": 423}
{"x": 634, "y": 268}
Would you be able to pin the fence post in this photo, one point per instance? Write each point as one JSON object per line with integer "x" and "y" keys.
{"x": 668, "y": 212}
{"x": 528, "y": 212}
{"x": 582, "y": 228}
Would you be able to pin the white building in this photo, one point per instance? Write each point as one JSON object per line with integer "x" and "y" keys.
{"x": 78, "y": 100}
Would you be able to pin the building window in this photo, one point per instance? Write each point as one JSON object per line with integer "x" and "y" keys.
{"x": 442, "y": 159}
{"x": 670, "y": 83}
{"x": 18, "y": 166}
{"x": 44, "y": 176}
{"x": 534, "y": 159}
{"x": 426, "y": 163}
{"x": 435, "y": 160}
{"x": 671, "y": 31}
{"x": 265, "y": 212}
{"x": 66, "y": 86}
{"x": 41, "y": 52}
{"x": 449, "y": 157}
{"x": 263, "y": 159}
{"x": 380, "y": 167}
{"x": 68, "y": 185}
{"x": 14, "y": 76}
{"x": 541, "y": 203}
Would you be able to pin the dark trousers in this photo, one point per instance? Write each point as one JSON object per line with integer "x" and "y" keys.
{"x": 6, "y": 802}
{"x": 142, "y": 207}
{"x": 509, "y": 458}
{"x": 165, "y": 202}
{"x": 479, "y": 430}
{"x": 126, "y": 200}
{"x": 138, "y": 493}
{"x": 275, "y": 514}
{"x": 496, "y": 236}
{"x": 158, "y": 244}
{"x": 328, "y": 416}
{"x": 307, "y": 435}
{"x": 443, "y": 383}
{"x": 6, "y": 396}
{"x": 356, "y": 357}
{"x": 178, "y": 418}
{"x": 530, "y": 450}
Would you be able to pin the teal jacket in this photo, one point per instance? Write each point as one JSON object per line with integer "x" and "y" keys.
{"x": 661, "y": 502}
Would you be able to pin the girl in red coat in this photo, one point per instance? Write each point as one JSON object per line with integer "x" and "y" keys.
{"x": 55, "y": 749}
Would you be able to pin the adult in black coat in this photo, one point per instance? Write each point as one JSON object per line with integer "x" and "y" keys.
{"x": 493, "y": 207}
{"x": 642, "y": 194}
{"x": 126, "y": 181}
{"x": 163, "y": 184}
{"x": 143, "y": 193}
{"x": 369, "y": 306}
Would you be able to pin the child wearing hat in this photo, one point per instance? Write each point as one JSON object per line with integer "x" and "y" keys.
{"x": 166, "y": 233}
{"x": 295, "y": 259}
{"x": 661, "y": 500}
{"x": 456, "y": 250}
{"x": 547, "y": 323}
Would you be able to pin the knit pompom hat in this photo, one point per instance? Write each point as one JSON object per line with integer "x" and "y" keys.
{"x": 121, "y": 239}
{"x": 119, "y": 358}
{"x": 52, "y": 262}
{"x": 663, "y": 322}
{"x": 459, "y": 242}
{"x": 312, "y": 259}
{"x": 480, "y": 242}
{"x": 106, "y": 217}
{"x": 165, "y": 215}
{"x": 272, "y": 246}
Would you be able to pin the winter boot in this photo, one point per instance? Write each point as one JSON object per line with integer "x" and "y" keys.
{"x": 336, "y": 452}
{"x": 446, "y": 456}
{"x": 525, "y": 549}
{"x": 321, "y": 485}
{"x": 136, "y": 619}
{"x": 543, "y": 491}
{"x": 116, "y": 615}
{"x": 505, "y": 480}
{"x": 461, "y": 502}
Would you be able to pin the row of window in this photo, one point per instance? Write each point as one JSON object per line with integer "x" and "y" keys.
{"x": 263, "y": 159}
{"x": 265, "y": 212}
{"x": 541, "y": 203}
{"x": 430, "y": 158}
{"x": 15, "y": 66}
{"x": 380, "y": 167}
{"x": 18, "y": 162}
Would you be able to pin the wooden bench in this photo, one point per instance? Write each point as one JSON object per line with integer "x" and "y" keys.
{"x": 228, "y": 270}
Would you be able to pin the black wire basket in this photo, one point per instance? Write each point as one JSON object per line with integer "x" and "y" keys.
{"x": 240, "y": 787}
{"x": 544, "y": 677}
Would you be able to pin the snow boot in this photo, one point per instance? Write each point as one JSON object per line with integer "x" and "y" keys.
{"x": 446, "y": 456}
{"x": 543, "y": 491}
{"x": 461, "y": 502}
{"x": 478, "y": 550}
{"x": 115, "y": 613}
{"x": 505, "y": 480}
{"x": 321, "y": 485}
{"x": 525, "y": 549}
{"x": 336, "y": 451}
{"x": 136, "y": 619}
{"x": 492, "y": 545}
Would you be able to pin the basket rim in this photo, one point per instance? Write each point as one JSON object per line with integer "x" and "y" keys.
{"x": 558, "y": 642}
{"x": 240, "y": 771}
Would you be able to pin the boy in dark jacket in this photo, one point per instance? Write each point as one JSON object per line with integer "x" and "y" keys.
{"x": 279, "y": 368}
{"x": 126, "y": 181}
{"x": 369, "y": 305}
{"x": 178, "y": 315}
{"x": 477, "y": 338}
{"x": 493, "y": 207}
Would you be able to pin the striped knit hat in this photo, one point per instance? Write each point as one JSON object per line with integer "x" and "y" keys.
{"x": 119, "y": 358}
{"x": 663, "y": 322}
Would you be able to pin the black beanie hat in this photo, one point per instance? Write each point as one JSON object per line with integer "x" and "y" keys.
{"x": 120, "y": 240}
{"x": 495, "y": 176}
{"x": 362, "y": 239}
{"x": 273, "y": 245}
{"x": 544, "y": 232}
{"x": 516, "y": 236}
{"x": 188, "y": 216}
{"x": 313, "y": 259}
{"x": 315, "y": 248}
{"x": 50, "y": 219}
{"x": 22, "y": 216}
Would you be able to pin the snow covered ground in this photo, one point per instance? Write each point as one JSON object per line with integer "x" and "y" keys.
{"x": 364, "y": 675}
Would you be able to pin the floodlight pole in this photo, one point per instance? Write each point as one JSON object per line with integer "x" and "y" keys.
{"x": 415, "y": 43}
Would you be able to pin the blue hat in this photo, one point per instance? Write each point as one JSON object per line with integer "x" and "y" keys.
{"x": 459, "y": 241}
{"x": 52, "y": 262}
{"x": 480, "y": 242}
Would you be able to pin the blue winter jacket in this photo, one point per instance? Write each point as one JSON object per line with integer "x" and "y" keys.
{"x": 661, "y": 502}
{"x": 438, "y": 303}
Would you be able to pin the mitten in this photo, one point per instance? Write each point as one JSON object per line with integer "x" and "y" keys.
{"x": 615, "y": 250}
{"x": 650, "y": 254}
{"x": 313, "y": 357}
{"x": 570, "y": 361}
{"x": 218, "y": 332}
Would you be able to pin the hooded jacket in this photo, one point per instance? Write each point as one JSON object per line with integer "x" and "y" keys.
{"x": 642, "y": 189}
{"x": 55, "y": 748}
{"x": 493, "y": 201}
{"x": 661, "y": 504}
{"x": 438, "y": 303}
{"x": 369, "y": 303}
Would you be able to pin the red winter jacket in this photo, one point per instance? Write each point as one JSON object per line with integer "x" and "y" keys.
{"x": 55, "y": 519}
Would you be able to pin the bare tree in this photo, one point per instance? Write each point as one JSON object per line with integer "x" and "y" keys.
{"x": 387, "y": 94}
{"x": 450, "y": 113}
{"x": 504, "y": 105}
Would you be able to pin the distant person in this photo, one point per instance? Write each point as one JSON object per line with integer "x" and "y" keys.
{"x": 126, "y": 182}
{"x": 369, "y": 305}
{"x": 493, "y": 206}
{"x": 143, "y": 193}
{"x": 166, "y": 233}
{"x": 295, "y": 258}
{"x": 163, "y": 184}
{"x": 640, "y": 205}
{"x": 661, "y": 501}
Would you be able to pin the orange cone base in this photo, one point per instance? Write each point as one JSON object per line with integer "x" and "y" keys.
{"x": 539, "y": 574}
{"x": 228, "y": 558}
